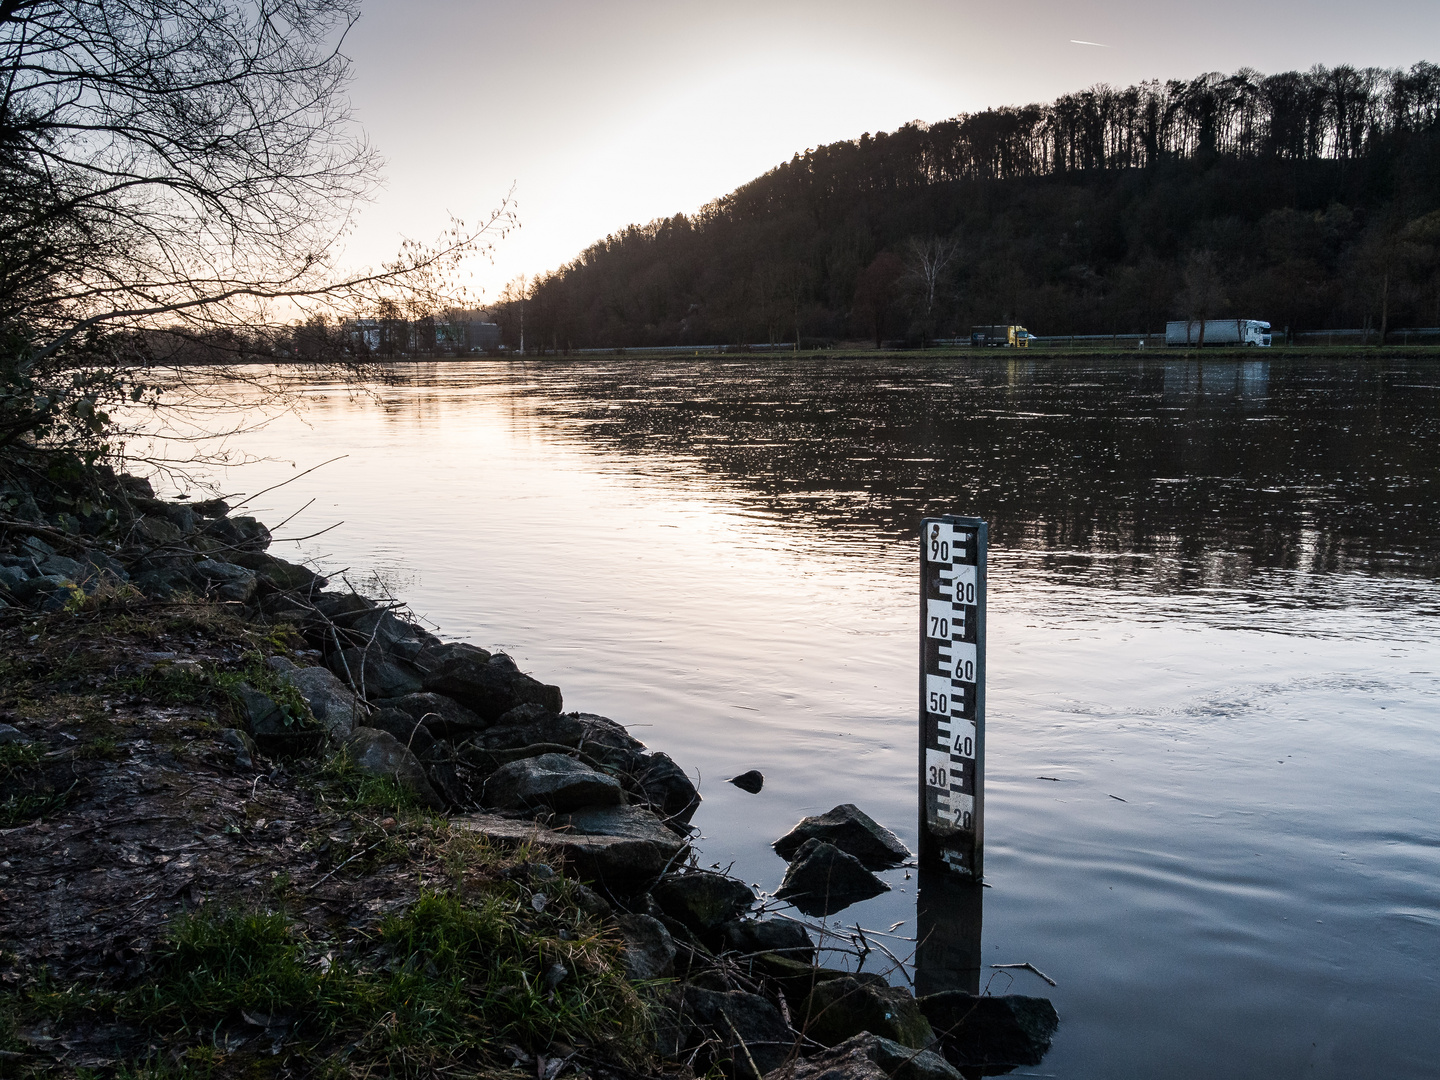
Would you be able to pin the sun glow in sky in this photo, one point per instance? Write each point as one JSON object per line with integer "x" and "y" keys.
{"x": 607, "y": 114}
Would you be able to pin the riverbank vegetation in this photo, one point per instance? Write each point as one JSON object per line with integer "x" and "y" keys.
{"x": 1309, "y": 199}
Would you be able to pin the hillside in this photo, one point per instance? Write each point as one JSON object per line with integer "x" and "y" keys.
{"x": 1311, "y": 199}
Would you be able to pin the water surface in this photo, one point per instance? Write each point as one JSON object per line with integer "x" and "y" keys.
{"x": 1213, "y": 758}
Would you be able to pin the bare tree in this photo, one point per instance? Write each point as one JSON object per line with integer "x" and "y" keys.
{"x": 926, "y": 263}
{"x": 182, "y": 163}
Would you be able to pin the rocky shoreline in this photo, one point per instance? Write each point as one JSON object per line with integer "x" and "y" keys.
{"x": 197, "y": 735}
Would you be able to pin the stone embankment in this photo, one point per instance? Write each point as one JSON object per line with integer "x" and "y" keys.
{"x": 236, "y": 755}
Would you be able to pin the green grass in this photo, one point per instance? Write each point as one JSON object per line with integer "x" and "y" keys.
{"x": 452, "y": 979}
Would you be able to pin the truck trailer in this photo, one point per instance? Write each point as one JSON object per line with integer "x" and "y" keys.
{"x": 1247, "y": 332}
{"x": 1015, "y": 337}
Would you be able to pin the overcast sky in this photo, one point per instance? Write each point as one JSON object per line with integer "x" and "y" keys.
{"x": 606, "y": 113}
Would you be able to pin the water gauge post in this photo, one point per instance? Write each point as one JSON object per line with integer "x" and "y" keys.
{"x": 952, "y": 694}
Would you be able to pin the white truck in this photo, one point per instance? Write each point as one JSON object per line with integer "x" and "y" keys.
{"x": 1245, "y": 332}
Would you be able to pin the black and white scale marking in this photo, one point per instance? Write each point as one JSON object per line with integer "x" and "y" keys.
{"x": 952, "y": 692}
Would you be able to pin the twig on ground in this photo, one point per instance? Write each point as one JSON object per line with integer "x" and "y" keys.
{"x": 1027, "y": 966}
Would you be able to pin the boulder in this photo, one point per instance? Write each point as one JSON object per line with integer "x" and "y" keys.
{"x": 605, "y": 740}
{"x": 867, "y": 1057}
{"x": 61, "y": 566}
{"x": 904, "y": 1062}
{"x": 372, "y": 674}
{"x": 49, "y": 592}
{"x": 224, "y": 580}
{"x": 378, "y": 753}
{"x": 275, "y": 573}
{"x": 329, "y": 699}
{"x": 526, "y": 725}
{"x": 617, "y": 863}
{"x": 238, "y": 533}
{"x": 823, "y": 880}
{"x": 852, "y": 831}
{"x": 446, "y": 719}
{"x": 990, "y": 1032}
{"x": 778, "y": 936}
{"x": 165, "y": 582}
{"x": 837, "y": 1009}
{"x": 12, "y": 578}
{"x": 666, "y": 787}
{"x": 155, "y": 530}
{"x": 277, "y": 727}
{"x": 740, "y": 1029}
{"x": 794, "y": 978}
{"x": 409, "y": 732}
{"x": 10, "y": 734}
{"x": 454, "y": 783}
{"x": 264, "y": 715}
{"x": 631, "y": 822}
{"x": 648, "y": 950}
{"x": 550, "y": 780}
{"x": 476, "y": 679}
{"x": 751, "y": 781}
{"x": 703, "y": 901}
{"x": 844, "y": 1062}
{"x": 243, "y": 746}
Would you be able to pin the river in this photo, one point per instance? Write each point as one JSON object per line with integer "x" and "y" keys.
{"x": 1213, "y": 748}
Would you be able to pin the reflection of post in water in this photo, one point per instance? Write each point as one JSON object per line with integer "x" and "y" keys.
{"x": 948, "y": 911}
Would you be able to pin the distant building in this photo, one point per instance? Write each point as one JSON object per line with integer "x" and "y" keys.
{"x": 402, "y": 337}
{"x": 482, "y": 336}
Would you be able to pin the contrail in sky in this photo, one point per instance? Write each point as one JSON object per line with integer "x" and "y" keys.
{"x": 1097, "y": 44}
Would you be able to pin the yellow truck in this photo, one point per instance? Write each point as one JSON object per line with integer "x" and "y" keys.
{"x": 1012, "y": 337}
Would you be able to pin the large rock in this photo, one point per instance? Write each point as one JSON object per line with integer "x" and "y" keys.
{"x": 844, "y": 1062}
{"x": 372, "y": 673}
{"x": 49, "y": 592}
{"x": 165, "y": 581}
{"x": 620, "y": 864}
{"x": 837, "y": 1009}
{"x": 408, "y": 732}
{"x": 445, "y": 718}
{"x": 823, "y": 880}
{"x": 225, "y": 581}
{"x": 868, "y": 1057}
{"x": 990, "y": 1032}
{"x": 275, "y": 573}
{"x": 550, "y": 780}
{"x": 794, "y": 978}
{"x": 329, "y": 699}
{"x": 666, "y": 787}
{"x": 852, "y": 831}
{"x": 779, "y": 936}
{"x": 736, "y": 1028}
{"x": 265, "y": 716}
{"x": 238, "y": 533}
{"x": 628, "y": 822}
{"x": 605, "y": 740}
{"x": 703, "y": 902}
{"x": 489, "y": 685}
{"x": 648, "y": 950}
{"x": 378, "y": 753}
{"x": 529, "y": 725}
{"x": 12, "y": 578}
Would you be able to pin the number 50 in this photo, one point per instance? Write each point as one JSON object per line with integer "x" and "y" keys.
{"x": 939, "y": 703}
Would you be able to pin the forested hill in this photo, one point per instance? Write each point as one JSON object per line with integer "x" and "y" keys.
{"x": 1311, "y": 199}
